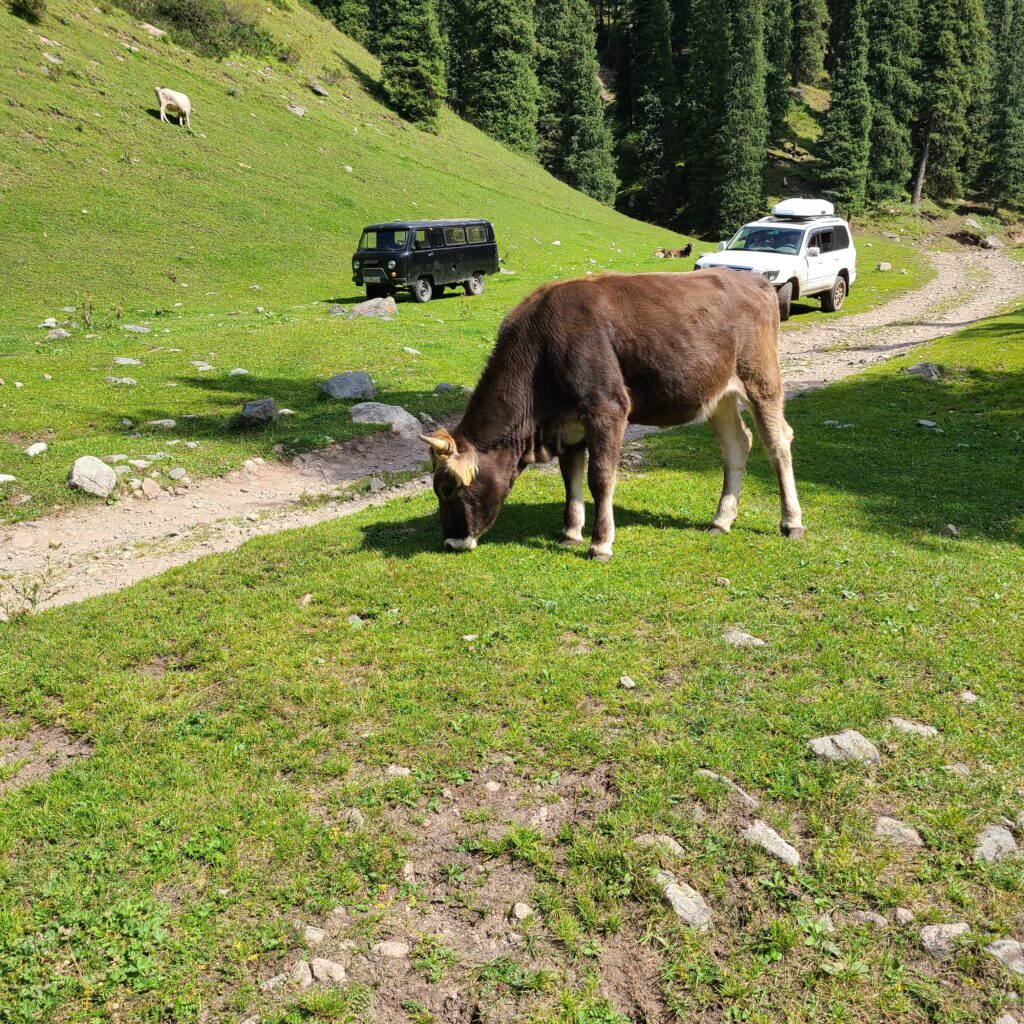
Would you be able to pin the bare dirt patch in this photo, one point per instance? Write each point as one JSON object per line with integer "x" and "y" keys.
{"x": 36, "y": 755}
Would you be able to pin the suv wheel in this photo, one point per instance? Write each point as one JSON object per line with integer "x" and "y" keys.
{"x": 475, "y": 285}
{"x": 833, "y": 300}
{"x": 422, "y": 290}
{"x": 785, "y": 294}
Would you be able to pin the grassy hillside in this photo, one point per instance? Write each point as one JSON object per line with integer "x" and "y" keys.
{"x": 234, "y": 725}
{"x": 130, "y": 221}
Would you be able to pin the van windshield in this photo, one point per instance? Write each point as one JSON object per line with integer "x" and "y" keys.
{"x": 764, "y": 238}
{"x": 394, "y": 239}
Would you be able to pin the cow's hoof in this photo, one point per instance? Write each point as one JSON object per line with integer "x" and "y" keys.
{"x": 792, "y": 532}
{"x": 570, "y": 542}
{"x": 599, "y": 556}
{"x": 723, "y": 530}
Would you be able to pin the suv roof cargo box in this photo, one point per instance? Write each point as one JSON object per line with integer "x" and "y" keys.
{"x": 804, "y": 208}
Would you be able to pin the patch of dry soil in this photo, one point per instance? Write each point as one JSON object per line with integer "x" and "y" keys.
{"x": 36, "y": 755}
{"x": 94, "y": 550}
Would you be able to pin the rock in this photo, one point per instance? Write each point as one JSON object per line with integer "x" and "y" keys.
{"x": 940, "y": 940}
{"x": 959, "y": 769}
{"x": 336, "y": 310}
{"x": 398, "y": 771}
{"x": 274, "y": 983}
{"x": 995, "y": 843}
{"x": 354, "y": 817}
{"x": 738, "y": 638}
{"x": 126, "y": 361}
{"x": 316, "y": 87}
{"x": 868, "y": 917}
{"x": 156, "y": 33}
{"x": 356, "y": 621}
{"x": 58, "y": 334}
{"x": 6, "y": 478}
{"x": 1009, "y": 952}
{"x": 968, "y": 697}
{"x": 411, "y": 351}
{"x": 688, "y": 904}
{"x": 178, "y": 473}
{"x": 313, "y": 935}
{"x": 36, "y": 449}
{"x": 120, "y": 471}
{"x": 971, "y": 222}
{"x": 113, "y": 460}
{"x": 238, "y": 371}
{"x": 93, "y": 476}
{"x": 883, "y": 266}
{"x": 385, "y": 309}
{"x": 164, "y": 424}
{"x": 991, "y": 242}
{"x": 759, "y": 833}
{"x": 353, "y": 384}
{"x": 661, "y": 842}
{"x": 492, "y": 786}
{"x": 896, "y": 831}
{"x": 927, "y": 423}
{"x": 258, "y": 412}
{"x": 904, "y": 725}
{"x": 929, "y": 371}
{"x": 903, "y": 916}
{"x": 391, "y": 950}
{"x": 427, "y": 420}
{"x": 151, "y": 489}
{"x": 949, "y": 530}
{"x": 377, "y": 485}
{"x": 139, "y": 464}
{"x": 848, "y": 745}
{"x": 297, "y": 110}
{"x": 521, "y": 911}
{"x": 327, "y": 972}
{"x": 398, "y": 419}
{"x": 49, "y": 323}
{"x": 302, "y": 975}
{"x": 202, "y": 366}
{"x": 128, "y": 382}
{"x": 134, "y": 329}
{"x": 347, "y": 168}
{"x": 743, "y": 798}
{"x": 626, "y": 683}
{"x": 285, "y": 412}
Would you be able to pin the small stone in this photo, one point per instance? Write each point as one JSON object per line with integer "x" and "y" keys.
{"x": 316, "y": 87}
{"x": 49, "y": 323}
{"x": 238, "y": 371}
{"x": 883, "y": 266}
{"x": 723, "y": 581}
{"x": 898, "y": 832}
{"x": 128, "y": 382}
{"x": 991, "y": 242}
{"x": 297, "y": 110}
{"x": 93, "y": 476}
{"x": 164, "y": 424}
{"x": 995, "y": 843}
{"x": 274, "y": 983}
{"x": 36, "y": 449}
{"x": 411, "y": 351}
{"x": 399, "y": 771}
{"x": 391, "y": 950}
{"x": 6, "y": 478}
{"x": 940, "y": 940}
{"x": 949, "y": 530}
{"x": 848, "y": 745}
{"x": 738, "y": 638}
{"x": 929, "y": 371}
{"x": 350, "y": 385}
{"x": 178, "y": 473}
{"x": 398, "y": 419}
{"x": 959, "y": 769}
{"x": 135, "y": 329}
{"x": 748, "y": 802}
{"x": 626, "y": 683}
{"x": 258, "y": 412}
{"x": 306, "y": 600}
{"x": 356, "y": 621}
{"x": 139, "y": 464}
{"x": 191, "y": 444}
{"x": 313, "y": 935}
{"x": 1009, "y": 952}
{"x": 903, "y": 916}
{"x": 904, "y": 725}
{"x": 376, "y": 485}
{"x": 521, "y": 911}
{"x": 869, "y": 917}
{"x": 968, "y": 697}
{"x": 58, "y": 334}
{"x": 664, "y": 843}
{"x": 354, "y": 817}
{"x": 126, "y": 361}
{"x": 260, "y": 309}
{"x": 285, "y": 412}
{"x": 384, "y": 308}
{"x": 759, "y": 833}
{"x": 688, "y": 904}
{"x": 927, "y": 423}
{"x": 492, "y": 787}
{"x": 336, "y": 310}
{"x": 151, "y": 489}
{"x": 302, "y": 975}
{"x": 327, "y": 972}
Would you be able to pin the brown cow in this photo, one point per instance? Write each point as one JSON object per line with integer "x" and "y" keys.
{"x": 578, "y": 360}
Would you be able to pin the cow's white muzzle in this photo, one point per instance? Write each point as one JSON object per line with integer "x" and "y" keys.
{"x": 460, "y": 544}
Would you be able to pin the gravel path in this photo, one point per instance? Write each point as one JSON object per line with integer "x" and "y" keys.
{"x": 89, "y": 551}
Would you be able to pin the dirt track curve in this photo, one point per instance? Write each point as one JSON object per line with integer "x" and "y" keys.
{"x": 89, "y": 551}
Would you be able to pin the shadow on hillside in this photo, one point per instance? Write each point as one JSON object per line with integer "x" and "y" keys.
{"x": 370, "y": 85}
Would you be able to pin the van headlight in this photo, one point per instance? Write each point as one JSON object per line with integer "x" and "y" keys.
{"x": 391, "y": 264}
{"x": 770, "y": 275}
{"x": 355, "y": 264}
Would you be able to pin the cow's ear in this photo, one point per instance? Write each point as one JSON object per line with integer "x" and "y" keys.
{"x": 441, "y": 443}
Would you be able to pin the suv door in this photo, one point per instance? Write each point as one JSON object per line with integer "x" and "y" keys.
{"x": 821, "y": 269}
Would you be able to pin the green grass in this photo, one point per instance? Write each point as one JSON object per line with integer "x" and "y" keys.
{"x": 161, "y": 876}
{"x": 179, "y": 228}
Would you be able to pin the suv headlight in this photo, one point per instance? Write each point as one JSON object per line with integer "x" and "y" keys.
{"x": 355, "y": 264}
{"x": 391, "y": 264}
{"x": 770, "y": 275}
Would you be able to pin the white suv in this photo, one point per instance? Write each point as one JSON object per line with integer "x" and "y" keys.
{"x": 803, "y": 248}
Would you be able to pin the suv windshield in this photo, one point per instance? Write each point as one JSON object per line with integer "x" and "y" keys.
{"x": 764, "y": 238}
{"x": 391, "y": 239}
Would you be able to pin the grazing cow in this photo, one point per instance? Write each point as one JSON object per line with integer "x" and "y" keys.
{"x": 578, "y": 360}
{"x": 176, "y": 103}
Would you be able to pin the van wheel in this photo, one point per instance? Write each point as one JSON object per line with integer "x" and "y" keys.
{"x": 785, "y": 294}
{"x": 422, "y": 290}
{"x": 833, "y": 300}
{"x": 475, "y": 285}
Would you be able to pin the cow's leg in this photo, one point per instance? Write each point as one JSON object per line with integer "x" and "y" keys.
{"x": 776, "y": 436}
{"x": 605, "y": 430}
{"x": 570, "y": 462}
{"x": 735, "y": 440}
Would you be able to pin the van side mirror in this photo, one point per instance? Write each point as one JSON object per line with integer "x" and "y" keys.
{"x": 813, "y": 251}
{"x": 722, "y": 245}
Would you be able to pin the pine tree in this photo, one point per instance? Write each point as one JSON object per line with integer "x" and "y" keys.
{"x": 574, "y": 142}
{"x": 810, "y": 39}
{"x": 778, "y": 49}
{"x": 893, "y": 67}
{"x": 845, "y": 139}
{"x": 412, "y": 62}
{"x": 1002, "y": 176}
{"x": 954, "y": 43}
{"x": 491, "y": 68}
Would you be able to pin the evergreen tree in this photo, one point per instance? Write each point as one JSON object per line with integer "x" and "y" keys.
{"x": 778, "y": 49}
{"x": 893, "y": 67}
{"x": 953, "y": 58}
{"x": 845, "y": 139}
{"x": 1002, "y": 177}
{"x": 492, "y": 80}
{"x": 574, "y": 142}
{"x": 412, "y": 62}
{"x": 810, "y": 39}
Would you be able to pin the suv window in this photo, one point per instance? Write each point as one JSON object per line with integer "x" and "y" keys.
{"x": 454, "y": 236}
{"x": 477, "y": 233}
{"x": 824, "y": 240}
{"x": 842, "y": 238}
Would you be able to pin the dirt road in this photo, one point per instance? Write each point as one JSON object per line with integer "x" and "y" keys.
{"x": 61, "y": 559}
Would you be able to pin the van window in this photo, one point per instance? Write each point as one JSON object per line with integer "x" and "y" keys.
{"x": 420, "y": 239}
{"x": 384, "y": 240}
{"x": 454, "y": 236}
{"x": 477, "y": 233}
{"x": 436, "y": 237}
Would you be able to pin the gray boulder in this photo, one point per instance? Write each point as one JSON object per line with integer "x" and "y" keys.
{"x": 896, "y": 831}
{"x": 688, "y": 905}
{"x": 940, "y": 940}
{"x": 316, "y": 87}
{"x": 58, "y": 334}
{"x": 93, "y": 476}
{"x": 847, "y": 745}
{"x": 258, "y": 412}
{"x": 398, "y": 419}
{"x": 336, "y": 310}
{"x": 1009, "y": 952}
{"x": 929, "y": 371}
{"x": 353, "y": 384}
{"x": 991, "y": 242}
{"x": 995, "y": 843}
{"x": 383, "y": 309}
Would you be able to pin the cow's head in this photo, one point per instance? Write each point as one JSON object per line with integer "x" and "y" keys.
{"x": 470, "y": 487}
